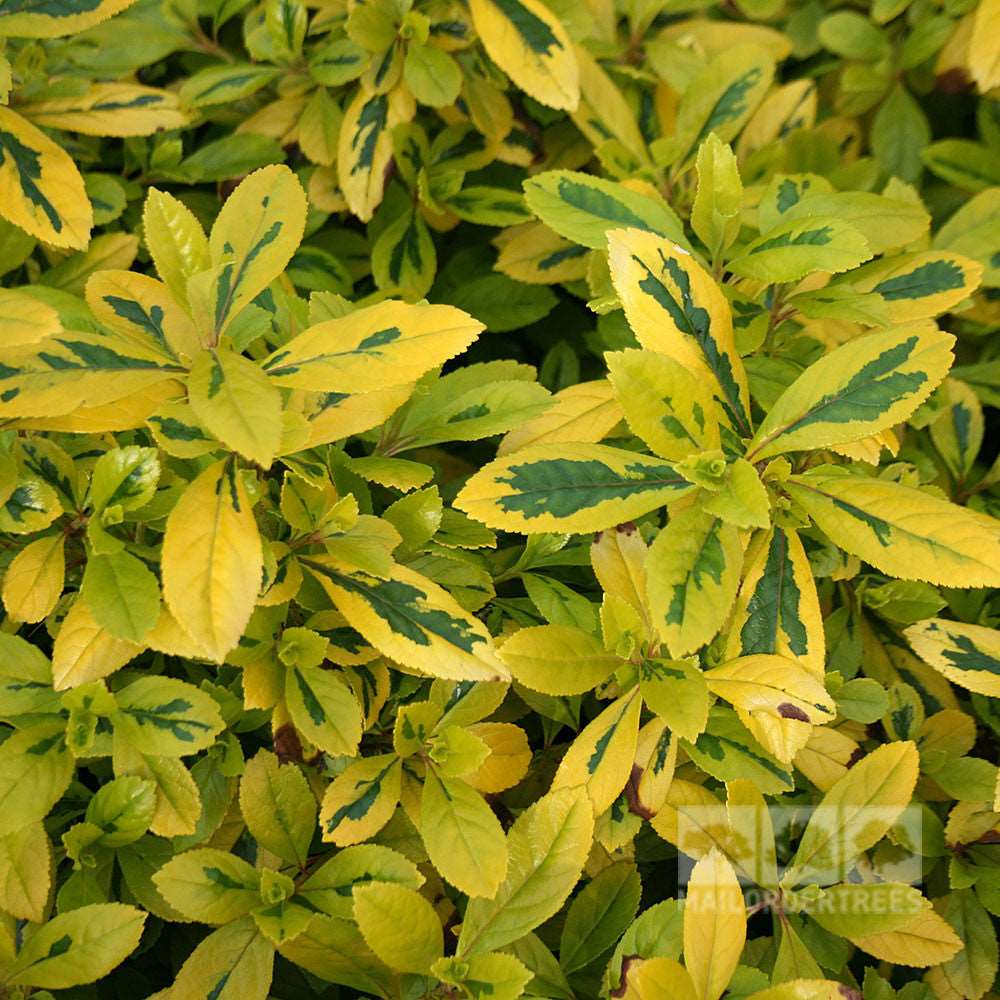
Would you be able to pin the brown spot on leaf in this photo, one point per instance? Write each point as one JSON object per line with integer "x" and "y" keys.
{"x": 627, "y": 962}
{"x": 789, "y": 711}
{"x": 953, "y": 81}
{"x": 855, "y": 757}
{"x": 626, "y": 528}
{"x": 635, "y": 805}
{"x": 287, "y": 745}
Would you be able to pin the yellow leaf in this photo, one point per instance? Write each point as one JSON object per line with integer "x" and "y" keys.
{"x": 143, "y": 311}
{"x": 74, "y": 374}
{"x": 918, "y": 285}
{"x": 676, "y": 308}
{"x": 984, "y": 55}
{"x": 968, "y": 655}
{"x": 509, "y": 759}
{"x": 715, "y": 925}
{"x": 68, "y": 20}
{"x": 775, "y": 685}
{"x": 83, "y": 651}
{"x": 41, "y": 191}
{"x": 77, "y": 946}
{"x": 928, "y": 940}
{"x": 25, "y": 320}
{"x": 777, "y": 610}
{"x": 657, "y": 978}
{"x": 902, "y": 531}
{"x": 618, "y": 557}
{"x": 463, "y": 837}
{"x": 364, "y": 148}
{"x": 693, "y": 820}
{"x": 547, "y": 845}
{"x": 528, "y": 42}
{"x": 824, "y": 758}
{"x": 587, "y": 411}
{"x": 399, "y": 925}
{"x": 117, "y": 109}
{"x": 175, "y": 241}
{"x": 803, "y": 989}
{"x": 600, "y": 758}
{"x": 534, "y": 254}
{"x": 567, "y": 487}
{"x": 255, "y": 234}
{"x": 373, "y": 349}
{"x": 665, "y": 404}
{"x": 234, "y": 962}
{"x": 694, "y": 572}
{"x": 212, "y": 559}
{"x": 178, "y": 800}
{"x": 412, "y": 620}
{"x": 360, "y": 800}
{"x": 237, "y": 402}
{"x": 855, "y": 814}
{"x": 862, "y": 388}
{"x": 34, "y": 579}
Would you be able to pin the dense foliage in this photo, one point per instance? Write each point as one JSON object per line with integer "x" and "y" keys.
{"x": 499, "y": 499}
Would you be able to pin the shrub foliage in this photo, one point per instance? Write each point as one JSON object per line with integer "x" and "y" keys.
{"x": 498, "y": 499}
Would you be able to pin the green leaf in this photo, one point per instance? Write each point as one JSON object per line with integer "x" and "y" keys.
{"x": 499, "y": 977}
{"x": 557, "y": 659}
{"x": 225, "y": 83}
{"x": 123, "y": 810}
{"x": 122, "y": 593}
{"x": 330, "y": 888}
{"x": 727, "y": 751}
{"x": 35, "y": 770}
{"x": 432, "y": 75}
{"x": 971, "y": 972}
{"x": 676, "y": 691}
{"x": 900, "y": 134}
{"x": 719, "y": 196}
{"x": 968, "y": 165}
{"x": 232, "y": 963}
{"x": 124, "y": 477}
{"x": 26, "y": 858}
{"x": 547, "y": 845}
{"x": 862, "y": 700}
{"x": 857, "y": 910}
{"x": 797, "y": 247}
{"x": 278, "y": 807}
{"x": 598, "y": 915}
